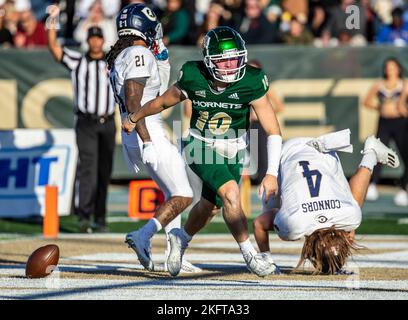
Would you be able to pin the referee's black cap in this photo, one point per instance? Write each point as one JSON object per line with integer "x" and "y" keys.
{"x": 95, "y": 32}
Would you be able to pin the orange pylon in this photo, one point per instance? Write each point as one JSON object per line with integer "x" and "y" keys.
{"x": 51, "y": 219}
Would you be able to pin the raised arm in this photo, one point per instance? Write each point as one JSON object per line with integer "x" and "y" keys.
{"x": 52, "y": 25}
{"x": 169, "y": 99}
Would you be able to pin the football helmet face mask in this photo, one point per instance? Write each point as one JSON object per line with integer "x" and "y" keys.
{"x": 220, "y": 45}
{"x": 138, "y": 20}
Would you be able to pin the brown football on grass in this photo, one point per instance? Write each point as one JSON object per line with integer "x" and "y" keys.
{"x": 42, "y": 261}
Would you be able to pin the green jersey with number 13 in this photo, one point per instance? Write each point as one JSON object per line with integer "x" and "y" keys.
{"x": 219, "y": 114}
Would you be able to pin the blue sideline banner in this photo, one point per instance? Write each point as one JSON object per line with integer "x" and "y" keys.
{"x": 31, "y": 159}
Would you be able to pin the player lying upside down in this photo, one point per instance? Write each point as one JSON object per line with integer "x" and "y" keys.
{"x": 316, "y": 201}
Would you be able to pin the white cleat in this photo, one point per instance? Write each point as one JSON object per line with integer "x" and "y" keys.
{"x": 186, "y": 267}
{"x": 177, "y": 247}
{"x": 372, "y": 192}
{"x": 384, "y": 154}
{"x": 401, "y": 198}
{"x": 261, "y": 264}
{"x": 142, "y": 247}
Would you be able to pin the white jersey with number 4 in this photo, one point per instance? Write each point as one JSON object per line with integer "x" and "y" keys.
{"x": 314, "y": 193}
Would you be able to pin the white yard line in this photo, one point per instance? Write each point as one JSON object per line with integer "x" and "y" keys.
{"x": 200, "y": 289}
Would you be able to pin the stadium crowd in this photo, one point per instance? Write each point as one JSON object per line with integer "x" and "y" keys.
{"x": 308, "y": 22}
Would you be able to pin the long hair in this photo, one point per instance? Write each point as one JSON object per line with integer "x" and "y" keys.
{"x": 396, "y": 61}
{"x": 328, "y": 250}
{"x": 121, "y": 44}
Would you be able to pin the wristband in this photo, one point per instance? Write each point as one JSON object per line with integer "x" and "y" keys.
{"x": 130, "y": 118}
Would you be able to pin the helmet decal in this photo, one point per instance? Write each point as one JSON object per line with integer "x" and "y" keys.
{"x": 138, "y": 20}
{"x": 149, "y": 14}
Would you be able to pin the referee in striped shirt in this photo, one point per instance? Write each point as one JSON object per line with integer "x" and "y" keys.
{"x": 94, "y": 126}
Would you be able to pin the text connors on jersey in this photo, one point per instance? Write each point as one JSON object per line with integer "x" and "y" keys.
{"x": 321, "y": 205}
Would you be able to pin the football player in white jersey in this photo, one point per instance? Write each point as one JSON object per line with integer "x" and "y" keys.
{"x": 139, "y": 72}
{"x": 317, "y": 202}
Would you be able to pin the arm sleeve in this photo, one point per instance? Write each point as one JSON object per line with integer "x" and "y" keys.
{"x": 70, "y": 58}
{"x": 164, "y": 71}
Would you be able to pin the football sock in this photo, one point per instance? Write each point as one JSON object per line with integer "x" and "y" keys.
{"x": 247, "y": 247}
{"x": 185, "y": 235}
{"x": 151, "y": 228}
{"x": 175, "y": 223}
{"x": 369, "y": 160}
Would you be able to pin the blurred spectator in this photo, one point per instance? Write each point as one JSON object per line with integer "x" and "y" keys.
{"x": 96, "y": 17}
{"x": 176, "y": 23}
{"x": 338, "y": 27}
{"x": 30, "y": 32}
{"x": 22, "y": 5}
{"x": 39, "y": 8}
{"x": 216, "y": 16}
{"x": 385, "y": 96}
{"x": 232, "y": 13}
{"x": 370, "y": 19}
{"x": 297, "y": 34}
{"x": 383, "y": 9}
{"x": 202, "y": 8}
{"x": 6, "y": 38}
{"x": 396, "y": 33}
{"x": 109, "y": 7}
{"x": 255, "y": 27}
{"x": 211, "y": 21}
{"x": 296, "y": 8}
{"x": 317, "y": 20}
{"x": 272, "y": 10}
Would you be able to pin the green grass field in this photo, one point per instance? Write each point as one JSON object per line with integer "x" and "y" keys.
{"x": 69, "y": 224}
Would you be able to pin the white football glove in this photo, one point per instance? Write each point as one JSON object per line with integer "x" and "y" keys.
{"x": 149, "y": 155}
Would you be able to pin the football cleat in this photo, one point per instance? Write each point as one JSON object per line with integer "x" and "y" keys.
{"x": 384, "y": 154}
{"x": 186, "y": 267}
{"x": 401, "y": 198}
{"x": 372, "y": 192}
{"x": 142, "y": 247}
{"x": 260, "y": 264}
{"x": 177, "y": 247}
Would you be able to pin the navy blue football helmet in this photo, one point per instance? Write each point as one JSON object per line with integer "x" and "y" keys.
{"x": 138, "y": 20}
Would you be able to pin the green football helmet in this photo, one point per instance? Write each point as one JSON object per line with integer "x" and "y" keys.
{"x": 221, "y": 44}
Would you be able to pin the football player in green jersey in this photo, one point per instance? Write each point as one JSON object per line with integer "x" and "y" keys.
{"x": 222, "y": 89}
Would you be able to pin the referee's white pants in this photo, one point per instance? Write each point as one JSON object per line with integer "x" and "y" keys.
{"x": 170, "y": 175}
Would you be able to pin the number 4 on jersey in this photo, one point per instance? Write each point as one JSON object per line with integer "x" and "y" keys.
{"x": 313, "y": 184}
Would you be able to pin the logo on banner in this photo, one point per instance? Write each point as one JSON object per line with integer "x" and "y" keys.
{"x": 23, "y": 172}
{"x": 144, "y": 199}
